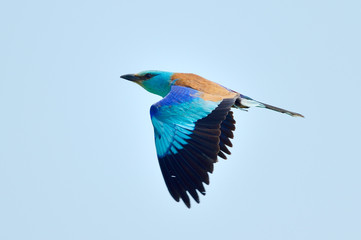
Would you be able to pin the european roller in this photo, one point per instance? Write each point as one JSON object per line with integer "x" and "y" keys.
{"x": 193, "y": 125}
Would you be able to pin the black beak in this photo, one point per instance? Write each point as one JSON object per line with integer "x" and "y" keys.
{"x": 130, "y": 77}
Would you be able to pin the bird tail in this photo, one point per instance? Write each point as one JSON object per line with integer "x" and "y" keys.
{"x": 244, "y": 102}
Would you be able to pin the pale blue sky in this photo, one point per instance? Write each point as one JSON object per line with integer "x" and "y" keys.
{"x": 77, "y": 156}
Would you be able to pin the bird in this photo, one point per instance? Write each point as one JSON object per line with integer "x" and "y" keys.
{"x": 193, "y": 124}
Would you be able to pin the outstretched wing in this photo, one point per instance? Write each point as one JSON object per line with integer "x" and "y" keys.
{"x": 190, "y": 132}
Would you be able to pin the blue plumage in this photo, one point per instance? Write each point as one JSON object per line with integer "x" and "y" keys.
{"x": 193, "y": 125}
{"x": 156, "y": 84}
{"x": 187, "y": 130}
{"x": 174, "y": 118}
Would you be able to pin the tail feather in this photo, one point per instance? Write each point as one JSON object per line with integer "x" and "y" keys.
{"x": 246, "y": 102}
{"x": 293, "y": 114}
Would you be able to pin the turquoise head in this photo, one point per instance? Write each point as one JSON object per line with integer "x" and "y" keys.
{"x": 157, "y": 82}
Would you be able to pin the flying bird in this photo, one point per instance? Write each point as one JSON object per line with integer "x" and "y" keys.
{"x": 193, "y": 125}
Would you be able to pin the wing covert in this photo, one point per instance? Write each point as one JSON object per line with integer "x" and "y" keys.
{"x": 190, "y": 133}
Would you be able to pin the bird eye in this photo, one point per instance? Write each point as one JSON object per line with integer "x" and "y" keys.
{"x": 148, "y": 75}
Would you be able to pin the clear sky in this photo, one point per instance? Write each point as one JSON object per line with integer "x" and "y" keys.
{"x": 77, "y": 155}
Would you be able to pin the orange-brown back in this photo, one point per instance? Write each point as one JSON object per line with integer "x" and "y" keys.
{"x": 209, "y": 90}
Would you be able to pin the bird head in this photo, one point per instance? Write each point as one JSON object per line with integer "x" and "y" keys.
{"x": 156, "y": 82}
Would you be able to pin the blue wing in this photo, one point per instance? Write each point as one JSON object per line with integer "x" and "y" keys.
{"x": 190, "y": 133}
